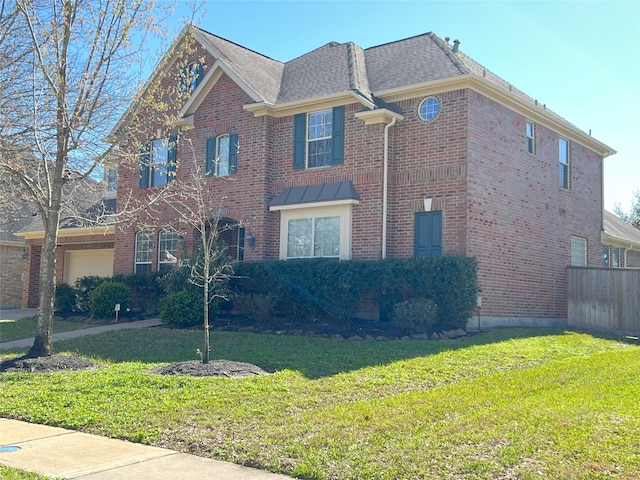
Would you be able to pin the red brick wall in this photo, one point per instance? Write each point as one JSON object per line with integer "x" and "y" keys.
{"x": 499, "y": 203}
{"x": 520, "y": 220}
{"x": 429, "y": 160}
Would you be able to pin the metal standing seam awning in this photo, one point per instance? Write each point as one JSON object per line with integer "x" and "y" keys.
{"x": 323, "y": 194}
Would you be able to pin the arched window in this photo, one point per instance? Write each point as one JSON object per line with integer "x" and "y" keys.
{"x": 167, "y": 249}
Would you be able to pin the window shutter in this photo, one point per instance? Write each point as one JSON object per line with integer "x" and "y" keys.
{"x": 209, "y": 163}
{"x": 199, "y": 75}
{"x": 233, "y": 153}
{"x": 145, "y": 165}
{"x": 172, "y": 157}
{"x": 299, "y": 133}
{"x": 338, "y": 136}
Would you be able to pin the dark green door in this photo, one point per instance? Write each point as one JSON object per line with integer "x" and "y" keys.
{"x": 428, "y": 234}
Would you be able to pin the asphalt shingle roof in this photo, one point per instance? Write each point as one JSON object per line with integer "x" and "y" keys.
{"x": 620, "y": 229}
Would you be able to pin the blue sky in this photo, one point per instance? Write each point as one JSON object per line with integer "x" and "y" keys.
{"x": 580, "y": 58}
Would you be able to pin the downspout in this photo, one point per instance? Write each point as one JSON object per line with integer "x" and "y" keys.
{"x": 624, "y": 257}
{"x": 385, "y": 184}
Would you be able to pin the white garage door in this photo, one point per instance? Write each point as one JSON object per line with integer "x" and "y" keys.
{"x": 82, "y": 263}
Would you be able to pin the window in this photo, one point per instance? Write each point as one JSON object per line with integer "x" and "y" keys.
{"x": 318, "y": 139}
{"x": 143, "y": 252}
{"x": 610, "y": 256}
{"x": 221, "y": 156}
{"x": 167, "y": 249}
{"x": 530, "y": 138}
{"x": 191, "y": 76}
{"x": 111, "y": 179}
{"x": 322, "y": 231}
{"x": 313, "y": 237}
{"x": 563, "y": 156}
{"x": 578, "y": 252}
{"x": 429, "y": 108}
{"x": 158, "y": 162}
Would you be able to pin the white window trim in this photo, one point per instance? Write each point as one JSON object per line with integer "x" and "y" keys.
{"x": 341, "y": 209}
{"x": 310, "y": 140}
{"x": 531, "y": 139}
{"x": 135, "y": 252}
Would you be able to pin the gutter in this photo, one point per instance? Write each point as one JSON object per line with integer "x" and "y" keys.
{"x": 385, "y": 186}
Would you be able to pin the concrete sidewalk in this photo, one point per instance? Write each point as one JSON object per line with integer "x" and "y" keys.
{"x": 27, "y": 342}
{"x": 56, "y": 452}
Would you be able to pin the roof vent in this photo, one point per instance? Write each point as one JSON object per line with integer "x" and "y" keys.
{"x": 456, "y": 43}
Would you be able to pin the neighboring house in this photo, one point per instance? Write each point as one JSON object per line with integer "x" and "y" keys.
{"x": 404, "y": 149}
{"x": 15, "y": 214}
{"x": 620, "y": 243}
{"x": 85, "y": 246}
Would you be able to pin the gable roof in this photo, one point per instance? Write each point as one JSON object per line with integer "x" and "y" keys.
{"x": 620, "y": 232}
{"x": 376, "y": 77}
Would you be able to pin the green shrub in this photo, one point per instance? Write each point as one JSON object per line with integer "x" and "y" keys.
{"x": 256, "y": 306}
{"x": 146, "y": 291}
{"x": 66, "y": 300}
{"x": 183, "y": 309}
{"x": 103, "y": 299}
{"x": 416, "y": 313}
{"x": 84, "y": 287}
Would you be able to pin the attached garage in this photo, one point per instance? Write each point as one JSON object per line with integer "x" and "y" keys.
{"x": 83, "y": 263}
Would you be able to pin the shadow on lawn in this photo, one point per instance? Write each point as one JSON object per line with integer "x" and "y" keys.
{"x": 312, "y": 357}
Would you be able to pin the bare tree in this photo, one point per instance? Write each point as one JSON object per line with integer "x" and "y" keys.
{"x": 631, "y": 216}
{"x": 210, "y": 265}
{"x": 68, "y": 69}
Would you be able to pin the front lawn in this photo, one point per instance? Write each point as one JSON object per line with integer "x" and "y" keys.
{"x": 26, "y": 327}
{"x": 509, "y": 403}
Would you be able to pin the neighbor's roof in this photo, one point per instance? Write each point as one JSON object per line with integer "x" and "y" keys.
{"x": 616, "y": 229}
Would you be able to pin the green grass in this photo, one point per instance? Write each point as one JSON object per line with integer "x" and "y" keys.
{"x": 24, "y": 328}
{"x": 8, "y": 473}
{"x": 509, "y": 403}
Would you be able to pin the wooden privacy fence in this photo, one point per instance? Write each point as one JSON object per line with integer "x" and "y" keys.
{"x": 604, "y": 298}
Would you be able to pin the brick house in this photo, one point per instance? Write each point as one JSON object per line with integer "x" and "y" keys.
{"x": 402, "y": 149}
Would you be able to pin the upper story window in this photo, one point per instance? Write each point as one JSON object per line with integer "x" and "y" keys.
{"x": 168, "y": 240}
{"x": 531, "y": 142}
{"x": 191, "y": 76}
{"x": 158, "y": 162}
{"x": 318, "y": 139}
{"x": 221, "y": 155}
{"x": 144, "y": 240}
{"x": 429, "y": 108}
{"x": 111, "y": 181}
{"x": 563, "y": 157}
{"x": 578, "y": 252}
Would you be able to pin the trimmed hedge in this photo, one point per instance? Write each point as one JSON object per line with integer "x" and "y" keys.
{"x": 329, "y": 288}
{"x": 104, "y": 298}
{"x": 182, "y": 309}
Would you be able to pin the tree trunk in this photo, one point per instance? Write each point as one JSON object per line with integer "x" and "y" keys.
{"x": 205, "y": 353}
{"x": 43, "y": 343}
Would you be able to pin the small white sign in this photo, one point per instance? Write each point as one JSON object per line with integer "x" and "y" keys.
{"x": 117, "y": 309}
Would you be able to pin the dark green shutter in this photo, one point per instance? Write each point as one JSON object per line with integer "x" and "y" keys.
{"x": 299, "y": 134}
{"x": 199, "y": 75}
{"x": 145, "y": 157}
{"x": 240, "y": 244}
{"x": 209, "y": 163}
{"x": 172, "y": 157}
{"x": 233, "y": 153}
{"x": 337, "y": 136}
{"x": 428, "y": 234}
